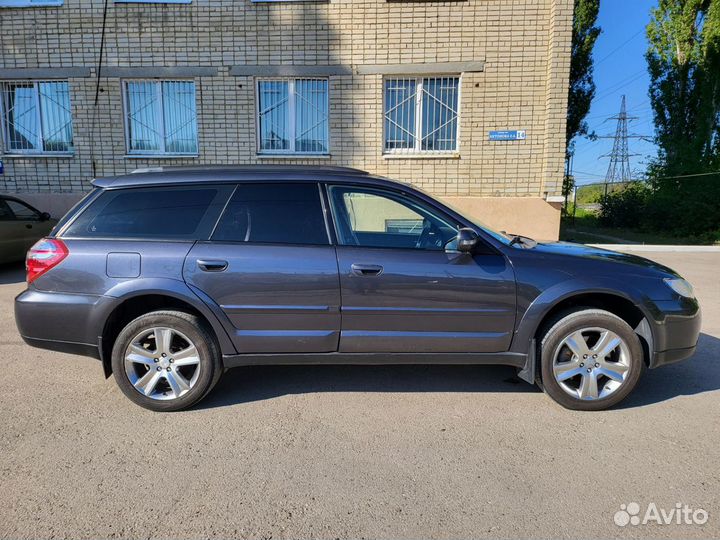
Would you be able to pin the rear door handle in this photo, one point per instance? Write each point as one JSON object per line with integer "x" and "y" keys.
{"x": 212, "y": 265}
{"x": 367, "y": 269}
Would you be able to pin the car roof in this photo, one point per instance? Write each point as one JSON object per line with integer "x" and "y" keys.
{"x": 226, "y": 174}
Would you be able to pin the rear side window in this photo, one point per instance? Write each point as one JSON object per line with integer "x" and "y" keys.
{"x": 174, "y": 213}
{"x": 274, "y": 213}
{"x": 5, "y": 213}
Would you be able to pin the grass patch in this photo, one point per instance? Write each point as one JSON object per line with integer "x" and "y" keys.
{"x": 587, "y": 230}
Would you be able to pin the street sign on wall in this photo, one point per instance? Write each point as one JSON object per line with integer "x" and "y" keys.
{"x": 508, "y": 135}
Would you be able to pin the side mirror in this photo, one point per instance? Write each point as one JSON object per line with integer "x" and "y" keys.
{"x": 467, "y": 239}
{"x": 44, "y": 216}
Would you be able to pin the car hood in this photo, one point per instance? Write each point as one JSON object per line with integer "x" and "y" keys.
{"x": 593, "y": 254}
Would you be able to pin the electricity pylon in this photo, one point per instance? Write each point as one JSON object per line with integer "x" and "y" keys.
{"x": 619, "y": 168}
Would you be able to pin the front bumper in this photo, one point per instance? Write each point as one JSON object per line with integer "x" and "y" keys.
{"x": 672, "y": 356}
{"x": 676, "y": 329}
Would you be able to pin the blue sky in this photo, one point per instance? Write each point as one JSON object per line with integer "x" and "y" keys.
{"x": 620, "y": 68}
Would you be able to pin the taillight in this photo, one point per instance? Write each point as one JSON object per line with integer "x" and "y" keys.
{"x": 44, "y": 255}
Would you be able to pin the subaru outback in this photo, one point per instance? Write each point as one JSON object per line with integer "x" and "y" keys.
{"x": 171, "y": 276}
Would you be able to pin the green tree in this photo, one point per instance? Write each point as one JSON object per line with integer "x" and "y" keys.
{"x": 582, "y": 86}
{"x": 684, "y": 65}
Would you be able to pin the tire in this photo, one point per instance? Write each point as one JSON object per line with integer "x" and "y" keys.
{"x": 568, "y": 366}
{"x": 150, "y": 375}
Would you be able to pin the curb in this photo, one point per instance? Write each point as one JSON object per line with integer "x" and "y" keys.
{"x": 658, "y": 248}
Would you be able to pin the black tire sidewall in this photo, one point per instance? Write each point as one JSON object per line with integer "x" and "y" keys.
{"x": 189, "y": 325}
{"x": 577, "y": 321}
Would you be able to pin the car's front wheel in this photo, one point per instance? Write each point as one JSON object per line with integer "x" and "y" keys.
{"x": 590, "y": 360}
{"x": 166, "y": 360}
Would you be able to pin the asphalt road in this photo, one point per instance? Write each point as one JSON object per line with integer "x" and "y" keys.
{"x": 337, "y": 452}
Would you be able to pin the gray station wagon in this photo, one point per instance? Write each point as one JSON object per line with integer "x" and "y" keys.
{"x": 171, "y": 276}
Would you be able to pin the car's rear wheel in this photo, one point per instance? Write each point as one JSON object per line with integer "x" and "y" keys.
{"x": 166, "y": 360}
{"x": 590, "y": 360}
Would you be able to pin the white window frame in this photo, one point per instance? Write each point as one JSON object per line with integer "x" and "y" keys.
{"x": 417, "y": 149}
{"x": 29, "y": 3}
{"x": 4, "y": 127}
{"x": 158, "y": 89}
{"x": 291, "y": 115}
{"x": 152, "y": 1}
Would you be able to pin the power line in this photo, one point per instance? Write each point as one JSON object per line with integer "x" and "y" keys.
{"x": 620, "y": 85}
{"x": 658, "y": 178}
{"x": 616, "y": 49}
{"x": 590, "y": 174}
{"x": 686, "y": 175}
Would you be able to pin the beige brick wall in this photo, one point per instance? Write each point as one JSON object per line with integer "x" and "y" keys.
{"x": 525, "y": 45}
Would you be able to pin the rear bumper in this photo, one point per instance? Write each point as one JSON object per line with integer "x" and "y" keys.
{"x": 68, "y": 347}
{"x": 58, "y": 321}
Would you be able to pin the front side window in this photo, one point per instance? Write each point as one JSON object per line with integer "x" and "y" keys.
{"x": 160, "y": 117}
{"x": 182, "y": 213}
{"x": 37, "y": 117}
{"x": 380, "y": 219}
{"x": 421, "y": 115}
{"x": 293, "y": 116}
{"x": 274, "y": 213}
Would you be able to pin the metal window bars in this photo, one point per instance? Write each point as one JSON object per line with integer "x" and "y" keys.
{"x": 161, "y": 117}
{"x": 293, "y": 116}
{"x": 36, "y": 117}
{"x": 421, "y": 115}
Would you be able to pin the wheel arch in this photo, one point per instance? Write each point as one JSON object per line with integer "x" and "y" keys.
{"x": 546, "y": 307}
{"x": 137, "y": 303}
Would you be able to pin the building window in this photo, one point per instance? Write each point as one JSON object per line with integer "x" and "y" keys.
{"x": 153, "y": 1}
{"x": 421, "y": 115}
{"x": 36, "y": 117}
{"x": 160, "y": 117}
{"x": 29, "y": 3}
{"x": 293, "y": 116}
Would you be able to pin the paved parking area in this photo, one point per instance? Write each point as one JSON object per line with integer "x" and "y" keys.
{"x": 335, "y": 452}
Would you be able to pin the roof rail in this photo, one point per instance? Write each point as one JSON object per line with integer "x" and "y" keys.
{"x": 260, "y": 167}
{"x": 147, "y": 170}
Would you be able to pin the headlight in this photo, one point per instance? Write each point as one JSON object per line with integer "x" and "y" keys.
{"x": 680, "y": 286}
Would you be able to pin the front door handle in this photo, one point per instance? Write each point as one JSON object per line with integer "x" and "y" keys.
{"x": 367, "y": 269}
{"x": 212, "y": 265}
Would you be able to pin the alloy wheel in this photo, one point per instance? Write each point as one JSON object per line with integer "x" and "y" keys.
{"x": 162, "y": 363}
{"x": 591, "y": 363}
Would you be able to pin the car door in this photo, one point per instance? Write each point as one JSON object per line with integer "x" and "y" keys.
{"x": 403, "y": 291}
{"x": 34, "y": 226}
{"x": 271, "y": 268}
{"x": 13, "y": 234}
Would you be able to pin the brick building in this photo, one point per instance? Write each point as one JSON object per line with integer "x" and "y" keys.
{"x": 407, "y": 89}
